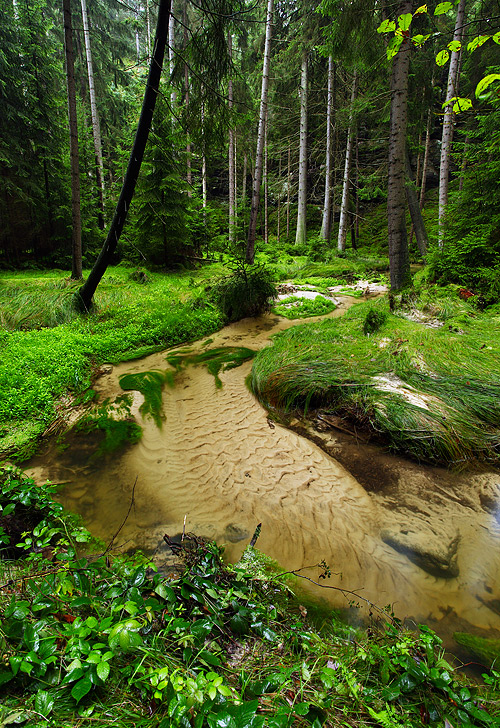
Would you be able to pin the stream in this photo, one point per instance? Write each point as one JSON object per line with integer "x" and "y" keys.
{"x": 424, "y": 540}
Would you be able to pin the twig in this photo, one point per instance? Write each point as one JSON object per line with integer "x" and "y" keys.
{"x": 344, "y": 592}
{"x": 131, "y": 504}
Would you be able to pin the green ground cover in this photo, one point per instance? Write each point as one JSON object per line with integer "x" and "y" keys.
{"x": 49, "y": 350}
{"x": 426, "y": 380}
{"x": 105, "y": 639}
{"x": 295, "y": 307}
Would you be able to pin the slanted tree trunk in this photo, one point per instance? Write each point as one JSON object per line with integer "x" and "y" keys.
{"x": 76, "y": 217}
{"x": 87, "y": 291}
{"x": 231, "y": 147}
{"x": 301, "y": 232}
{"x": 254, "y": 210}
{"x": 415, "y": 212}
{"x": 96, "y": 129}
{"x": 344, "y": 205}
{"x": 327, "y": 205}
{"x": 399, "y": 261}
{"x": 447, "y": 135}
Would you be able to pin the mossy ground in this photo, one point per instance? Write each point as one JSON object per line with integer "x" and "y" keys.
{"x": 426, "y": 381}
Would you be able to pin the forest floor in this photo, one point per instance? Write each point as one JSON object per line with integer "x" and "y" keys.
{"x": 106, "y": 639}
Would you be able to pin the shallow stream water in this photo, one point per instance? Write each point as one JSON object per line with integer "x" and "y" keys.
{"x": 422, "y": 539}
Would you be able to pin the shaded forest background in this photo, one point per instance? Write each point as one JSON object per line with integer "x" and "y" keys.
{"x": 194, "y": 191}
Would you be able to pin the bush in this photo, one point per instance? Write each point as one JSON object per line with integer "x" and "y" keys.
{"x": 248, "y": 291}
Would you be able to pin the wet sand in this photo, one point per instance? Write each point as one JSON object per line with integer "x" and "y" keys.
{"x": 219, "y": 462}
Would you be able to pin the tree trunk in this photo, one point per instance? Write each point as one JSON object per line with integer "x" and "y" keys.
{"x": 244, "y": 182}
{"x": 425, "y": 163}
{"x": 289, "y": 182}
{"x": 399, "y": 261}
{"x": 148, "y": 31}
{"x": 278, "y": 231}
{"x": 76, "y": 234}
{"x": 344, "y": 205}
{"x": 327, "y": 205}
{"x": 266, "y": 188}
{"x": 171, "y": 61}
{"x": 464, "y": 164}
{"x": 231, "y": 146}
{"x": 415, "y": 211}
{"x": 447, "y": 135}
{"x": 189, "y": 176}
{"x": 254, "y": 210}
{"x": 96, "y": 129}
{"x": 87, "y": 291}
{"x": 301, "y": 232}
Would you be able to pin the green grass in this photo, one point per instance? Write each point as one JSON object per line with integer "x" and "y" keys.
{"x": 431, "y": 393}
{"x": 48, "y": 358}
{"x": 295, "y": 307}
{"x": 105, "y": 639}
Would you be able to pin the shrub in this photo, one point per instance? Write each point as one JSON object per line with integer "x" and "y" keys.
{"x": 248, "y": 291}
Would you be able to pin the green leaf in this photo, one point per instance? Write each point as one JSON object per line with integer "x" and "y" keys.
{"x": 201, "y": 628}
{"x": 496, "y": 37}
{"x": 44, "y": 702}
{"x": 477, "y": 42}
{"x": 209, "y": 658}
{"x": 443, "y": 8}
{"x": 103, "y": 669}
{"x": 419, "y": 40}
{"x": 404, "y": 21}
{"x": 125, "y": 635}
{"x": 485, "y": 82}
{"x": 81, "y": 688}
{"x": 393, "y": 46}
{"x": 454, "y": 46}
{"x": 420, "y": 10}
{"x": 139, "y": 577}
{"x": 387, "y": 26}
{"x": 442, "y": 58}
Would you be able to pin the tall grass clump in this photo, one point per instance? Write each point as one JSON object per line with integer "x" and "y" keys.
{"x": 247, "y": 291}
{"x": 431, "y": 393}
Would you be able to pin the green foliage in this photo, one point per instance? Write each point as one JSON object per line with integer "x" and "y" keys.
{"x": 430, "y": 391}
{"x": 295, "y": 307}
{"x": 38, "y": 368}
{"x": 90, "y": 638}
{"x": 217, "y": 359}
{"x": 248, "y": 291}
{"x": 484, "y": 648}
{"x": 150, "y": 385}
{"x": 374, "y": 319}
{"x": 114, "y": 421}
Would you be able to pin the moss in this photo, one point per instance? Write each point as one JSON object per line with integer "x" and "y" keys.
{"x": 486, "y": 649}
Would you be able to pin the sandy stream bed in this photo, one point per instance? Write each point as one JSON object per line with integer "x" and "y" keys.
{"x": 423, "y": 539}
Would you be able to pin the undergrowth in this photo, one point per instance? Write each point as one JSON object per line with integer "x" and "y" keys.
{"x": 430, "y": 391}
{"x": 295, "y": 307}
{"x": 107, "y": 640}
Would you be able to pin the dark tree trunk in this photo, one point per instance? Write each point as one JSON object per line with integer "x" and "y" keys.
{"x": 87, "y": 291}
{"x": 399, "y": 261}
{"x": 76, "y": 219}
{"x": 415, "y": 212}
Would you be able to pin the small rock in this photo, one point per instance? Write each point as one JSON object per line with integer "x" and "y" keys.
{"x": 433, "y": 557}
{"x": 235, "y": 533}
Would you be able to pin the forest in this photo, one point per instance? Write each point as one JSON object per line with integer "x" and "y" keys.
{"x": 250, "y": 363}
